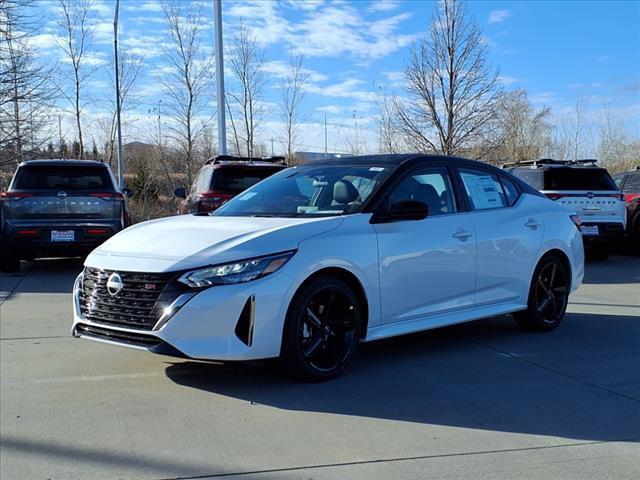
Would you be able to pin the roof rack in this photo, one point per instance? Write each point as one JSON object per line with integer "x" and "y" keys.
{"x": 550, "y": 161}
{"x": 232, "y": 158}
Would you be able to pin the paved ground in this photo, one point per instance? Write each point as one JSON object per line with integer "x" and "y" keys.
{"x": 481, "y": 400}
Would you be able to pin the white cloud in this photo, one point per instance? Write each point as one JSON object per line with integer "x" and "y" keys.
{"x": 508, "y": 81}
{"x": 383, "y": 5}
{"x": 334, "y": 109}
{"x": 151, "y": 6}
{"x": 281, "y": 69}
{"x": 350, "y": 88}
{"x": 497, "y": 16}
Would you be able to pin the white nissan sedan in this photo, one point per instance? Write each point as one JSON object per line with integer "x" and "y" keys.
{"x": 312, "y": 261}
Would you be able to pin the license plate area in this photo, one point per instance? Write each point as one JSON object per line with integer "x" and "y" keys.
{"x": 63, "y": 235}
{"x": 590, "y": 230}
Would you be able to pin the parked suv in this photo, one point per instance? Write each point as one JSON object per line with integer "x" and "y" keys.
{"x": 222, "y": 178}
{"x": 61, "y": 208}
{"x": 585, "y": 188}
{"x": 629, "y": 183}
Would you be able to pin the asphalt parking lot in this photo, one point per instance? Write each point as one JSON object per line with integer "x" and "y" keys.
{"x": 482, "y": 400}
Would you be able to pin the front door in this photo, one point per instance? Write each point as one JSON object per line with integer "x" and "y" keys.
{"x": 428, "y": 266}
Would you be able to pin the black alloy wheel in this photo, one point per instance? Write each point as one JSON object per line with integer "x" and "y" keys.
{"x": 548, "y": 296}
{"x": 322, "y": 330}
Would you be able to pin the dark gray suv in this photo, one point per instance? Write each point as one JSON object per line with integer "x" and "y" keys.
{"x": 59, "y": 208}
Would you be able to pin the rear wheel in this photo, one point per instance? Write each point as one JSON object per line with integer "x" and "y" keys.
{"x": 548, "y": 296}
{"x": 322, "y": 330}
{"x": 9, "y": 261}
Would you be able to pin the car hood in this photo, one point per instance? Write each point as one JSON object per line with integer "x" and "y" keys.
{"x": 188, "y": 241}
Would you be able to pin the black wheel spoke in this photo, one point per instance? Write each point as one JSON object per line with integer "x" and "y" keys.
{"x": 314, "y": 347}
{"x": 330, "y": 304}
{"x": 313, "y": 318}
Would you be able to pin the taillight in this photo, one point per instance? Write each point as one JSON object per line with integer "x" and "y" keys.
{"x": 576, "y": 221}
{"x": 630, "y": 197}
{"x": 28, "y": 233}
{"x": 108, "y": 195}
{"x": 96, "y": 231}
{"x": 555, "y": 196}
{"x": 209, "y": 201}
{"x": 14, "y": 195}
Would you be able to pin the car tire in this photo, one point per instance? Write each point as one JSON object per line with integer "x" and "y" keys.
{"x": 9, "y": 261}
{"x": 599, "y": 253}
{"x": 548, "y": 296}
{"x": 322, "y": 330}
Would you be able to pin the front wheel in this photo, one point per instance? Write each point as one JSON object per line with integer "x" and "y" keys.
{"x": 548, "y": 296}
{"x": 322, "y": 330}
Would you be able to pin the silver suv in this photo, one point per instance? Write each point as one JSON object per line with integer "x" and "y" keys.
{"x": 589, "y": 190}
{"x": 59, "y": 208}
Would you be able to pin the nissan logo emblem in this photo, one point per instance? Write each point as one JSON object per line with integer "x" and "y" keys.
{"x": 590, "y": 195}
{"x": 114, "y": 284}
{"x": 62, "y": 194}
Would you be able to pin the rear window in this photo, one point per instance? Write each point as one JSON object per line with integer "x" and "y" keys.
{"x": 236, "y": 180}
{"x": 62, "y": 177}
{"x": 530, "y": 176}
{"x": 578, "y": 179}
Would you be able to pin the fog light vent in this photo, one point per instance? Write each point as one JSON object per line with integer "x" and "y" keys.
{"x": 244, "y": 327}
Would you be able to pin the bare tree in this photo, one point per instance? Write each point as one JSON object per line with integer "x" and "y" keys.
{"x": 616, "y": 148}
{"x": 24, "y": 92}
{"x": 525, "y": 131}
{"x": 247, "y": 59}
{"x": 387, "y": 123}
{"x": 451, "y": 87}
{"x": 292, "y": 94}
{"x": 130, "y": 65}
{"x": 188, "y": 76}
{"x": 74, "y": 20}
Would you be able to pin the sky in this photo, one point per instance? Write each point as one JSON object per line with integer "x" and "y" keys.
{"x": 557, "y": 51}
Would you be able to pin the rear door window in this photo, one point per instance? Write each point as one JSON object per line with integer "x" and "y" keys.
{"x": 484, "y": 190}
{"x": 62, "y": 178}
{"x": 578, "y": 179}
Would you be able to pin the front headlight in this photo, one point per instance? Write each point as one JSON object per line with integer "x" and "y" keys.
{"x": 236, "y": 272}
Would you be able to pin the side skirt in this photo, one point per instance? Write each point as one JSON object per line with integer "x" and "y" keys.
{"x": 437, "y": 321}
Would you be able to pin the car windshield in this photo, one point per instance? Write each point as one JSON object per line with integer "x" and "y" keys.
{"x": 308, "y": 191}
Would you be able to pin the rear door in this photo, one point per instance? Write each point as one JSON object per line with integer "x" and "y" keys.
{"x": 591, "y": 192}
{"x": 509, "y": 232}
{"x": 62, "y": 192}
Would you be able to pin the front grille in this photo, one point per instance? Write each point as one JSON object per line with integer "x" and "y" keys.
{"x": 137, "y": 339}
{"x": 138, "y": 305}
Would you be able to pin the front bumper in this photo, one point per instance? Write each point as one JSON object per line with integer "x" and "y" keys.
{"x": 212, "y": 324}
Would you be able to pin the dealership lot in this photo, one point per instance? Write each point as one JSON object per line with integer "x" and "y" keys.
{"x": 481, "y": 400}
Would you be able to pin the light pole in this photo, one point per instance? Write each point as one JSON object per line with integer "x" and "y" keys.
{"x": 217, "y": 26}
{"x": 115, "y": 45}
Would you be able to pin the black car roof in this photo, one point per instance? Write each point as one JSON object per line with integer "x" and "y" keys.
{"x": 398, "y": 160}
{"x": 395, "y": 159}
{"x": 62, "y": 161}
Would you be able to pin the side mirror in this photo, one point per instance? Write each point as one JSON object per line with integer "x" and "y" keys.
{"x": 127, "y": 192}
{"x": 180, "y": 193}
{"x": 403, "y": 210}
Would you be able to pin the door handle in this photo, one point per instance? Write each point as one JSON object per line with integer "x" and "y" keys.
{"x": 532, "y": 223}
{"x": 462, "y": 235}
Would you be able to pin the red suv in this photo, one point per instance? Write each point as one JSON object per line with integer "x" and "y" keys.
{"x": 629, "y": 183}
{"x": 222, "y": 178}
